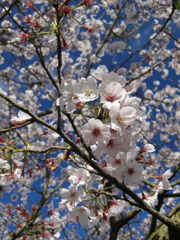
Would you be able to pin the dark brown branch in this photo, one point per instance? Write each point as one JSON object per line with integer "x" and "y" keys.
{"x": 171, "y": 195}
{"x": 165, "y": 233}
{"x": 59, "y": 47}
{"x": 50, "y": 149}
{"x": 116, "y": 225}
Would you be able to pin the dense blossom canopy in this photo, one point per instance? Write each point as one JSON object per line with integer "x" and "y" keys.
{"x": 90, "y": 114}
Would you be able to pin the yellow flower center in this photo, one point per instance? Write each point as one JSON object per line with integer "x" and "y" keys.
{"x": 88, "y": 91}
{"x": 120, "y": 119}
{"x": 70, "y": 96}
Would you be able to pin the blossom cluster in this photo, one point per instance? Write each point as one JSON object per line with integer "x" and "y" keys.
{"x": 113, "y": 131}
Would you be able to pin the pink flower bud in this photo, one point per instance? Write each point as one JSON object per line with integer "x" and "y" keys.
{"x": 35, "y": 24}
{"x": 34, "y": 209}
{"x": 71, "y": 135}
{"x": 67, "y": 10}
{"x": 65, "y": 44}
{"x": 86, "y": 2}
{"x": 150, "y": 162}
{"x": 30, "y": 174}
{"x": 24, "y": 37}
{"x": 79, "y": 104}
{"x": 45, "y": 132}
{"x": 27, "y": 19}
{"x": 90, "y": 30}
{"x": 78, "y": 140}
{"x": 39, "y": 166}
{"x": 29, "y": 4}
{"x": 159, "y": 177}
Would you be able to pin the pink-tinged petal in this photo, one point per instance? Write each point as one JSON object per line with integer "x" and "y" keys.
{"x": 128, "y": 112}
{"x": 167, "y": 174}
{"x": 114, "y": 110}
{"x": 95, "y": 132}
{"x": 149, "y": 148}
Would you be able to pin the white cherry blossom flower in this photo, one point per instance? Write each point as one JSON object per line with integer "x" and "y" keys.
{"x": 98, "y": 73}
{"x": 132, "y": 172}
{"x": 121, "y": 117}
{"x": 107, "y": 78}
{"x": 111, "y": 94}
{"x": 115, "y": 208}
{"x": 117, "y": 143}
{"x": 7, "y": 178}
{"x": 130, "y": 101}
{"x": 68, "y": 97}
{"x": 149, "y": 148}
{"x": 95, "y": 131}
{"x": 87, "y": 90}
{"x": 4, "y": 164}
{"x": 83, "y": 215}
{"x": 71, "y": 195}
{"x": 116, "y": 165}
{"x": 178, "y": 115}
{"x": 22, "y": 117}
{"x": 117, "y": 162}
{"x": 78, "y": 176}
{"x": 165, "y": 184}
{"x": 112, "y": 147}
{"x": 54, "y": 214}
{"x": 151, "y": 200}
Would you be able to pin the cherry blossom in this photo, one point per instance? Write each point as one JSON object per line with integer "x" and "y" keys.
{"x": 68, "y": 97}
{"x": 4, "y": 163}
{"x": 107, "y": 78}
{"x": 165, "y": 184}
{"x": 111, "y": 94}
{"x": 116, "y": 143}
{"x": 151, "y": 200}
{"x": 8, "y": 178}
{"x": 22, "y": 117}
{"x": 115, "y": 208}
{"x": 78, "y": 176}
{"x": 116, "y": 165}
{"x": 95, "y": 131}
{"x": 148, "y": 148}
{"x": 86, "y": 2}
{"x": 121, "y": 117}
{"x": 98, "y": 73}
{"x": 132, "y": 172}
{"x": 87, "y": 90}
{"x": 82, "y": 214}
{"x": 71, "y": 195}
